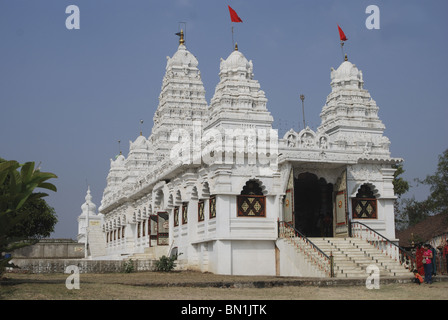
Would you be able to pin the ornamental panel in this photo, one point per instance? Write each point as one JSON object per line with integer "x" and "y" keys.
{"x": 364, "y": 208}
{"x": 251, "y": 206}
{"x": 201, "y": 205}
{"x": 185, "y": 213}
{"x": 176, "y": 216}
{"x": 212, "y": 204}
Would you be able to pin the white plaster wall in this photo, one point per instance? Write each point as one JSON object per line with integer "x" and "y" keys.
{"x": 253, "y": 257}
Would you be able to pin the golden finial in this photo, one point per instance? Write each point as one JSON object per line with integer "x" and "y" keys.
{"x": 236, "y": 46}
{"x": 181, "y": 39}
{"x": 346, "y": 59}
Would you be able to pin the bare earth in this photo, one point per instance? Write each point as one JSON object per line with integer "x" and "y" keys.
{"x": 187, "y": 285}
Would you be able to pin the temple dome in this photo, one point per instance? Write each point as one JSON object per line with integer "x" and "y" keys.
{"x": 140, "y": 143}
{"x": 182, "y": 58}
{"x": 237, "y": 65}
{"x": 347, "y": 74}
{"x": 88, "y": 206}
{"x": 118, "y": 163}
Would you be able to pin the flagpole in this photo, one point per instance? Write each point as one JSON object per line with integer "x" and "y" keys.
{"x": 233, "y": 41}
{"x": 342, "y": 50}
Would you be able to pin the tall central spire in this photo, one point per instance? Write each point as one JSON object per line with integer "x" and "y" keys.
{"x": 181, "y": 100}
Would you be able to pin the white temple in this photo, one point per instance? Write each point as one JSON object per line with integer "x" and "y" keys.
{"x": 217, "y": 184}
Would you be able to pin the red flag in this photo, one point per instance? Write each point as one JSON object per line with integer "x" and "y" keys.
{"x": 233, "y": 16}
{"x": 342, "y": 34}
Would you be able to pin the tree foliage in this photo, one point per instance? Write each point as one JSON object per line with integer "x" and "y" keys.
{"x": 413, "y": 211}
{"x": 19, "y": 203}
{"x": 438, "y": 183}
{"x": 401, "y": 186}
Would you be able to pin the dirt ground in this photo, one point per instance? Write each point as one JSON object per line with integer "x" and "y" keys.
{"x": 187, "y": 285}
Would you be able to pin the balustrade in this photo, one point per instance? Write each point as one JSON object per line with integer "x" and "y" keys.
{"x": 386, "y": 246}
{"x": 317, "y": 257}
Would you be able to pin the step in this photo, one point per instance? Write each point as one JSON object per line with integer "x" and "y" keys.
{"x": 352, "y": 256}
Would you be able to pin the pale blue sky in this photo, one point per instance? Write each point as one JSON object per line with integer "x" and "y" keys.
{"x": 68, "y": 96}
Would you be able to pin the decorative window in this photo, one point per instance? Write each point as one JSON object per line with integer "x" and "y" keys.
{"x": 364, "y": 205}
{"x": 185, "y": 213}
{"x": 201, "y": 206}
{"x": 176, "y": 216}
{"x": 122, "y": 231}
{"x": 162, "y": 229}
{"x": 212, "y": 206}
{"x": 107, "y": 237}
{"x": 144, "y": 228}
{"x": 153, "y": 227}
{"x": 251, "y": 202}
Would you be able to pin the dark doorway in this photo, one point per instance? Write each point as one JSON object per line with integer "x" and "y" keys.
{"x": 313, "y": 206}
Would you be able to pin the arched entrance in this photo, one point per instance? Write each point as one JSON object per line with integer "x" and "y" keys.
{"x": 313, "y": 205}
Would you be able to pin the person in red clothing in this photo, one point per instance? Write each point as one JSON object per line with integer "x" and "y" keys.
{"x": 445, "y": 254}
{"x": 427, "y": 263}
{"x": 419, "y": 257}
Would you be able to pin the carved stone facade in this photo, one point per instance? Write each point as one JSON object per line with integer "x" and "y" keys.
{"x": 212, "y": 182}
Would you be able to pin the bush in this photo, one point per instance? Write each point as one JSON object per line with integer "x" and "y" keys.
{"x": 166, "y": 264}
{"x": 128, "y": 266}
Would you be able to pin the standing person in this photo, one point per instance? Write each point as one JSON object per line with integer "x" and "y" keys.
{"x": 445, "y": 255}
{"x": 427, "y": 263}
{"x": 434, "y": 260}
{"x": 419, "y": 257}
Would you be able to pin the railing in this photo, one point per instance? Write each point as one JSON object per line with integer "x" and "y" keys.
{"x": 307, "y": 247}
{"x": 390, "y": 248}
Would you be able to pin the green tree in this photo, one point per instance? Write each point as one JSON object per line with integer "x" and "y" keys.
{"x": 413, "y": 211}
{"x": 438, "y": 185}
{"x": 37, "y": 220}
{"x": 17, "y": 183}
{"x": 401, "y": 186}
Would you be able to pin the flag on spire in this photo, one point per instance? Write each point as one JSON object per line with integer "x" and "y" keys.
{"x": 342, "y": 34}
{"x": 234, "y": 16}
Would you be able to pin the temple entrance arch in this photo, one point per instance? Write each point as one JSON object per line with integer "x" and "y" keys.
{"x": 313, "y": 205}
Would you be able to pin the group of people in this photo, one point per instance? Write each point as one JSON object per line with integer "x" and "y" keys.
{"x": 425, "y": 260}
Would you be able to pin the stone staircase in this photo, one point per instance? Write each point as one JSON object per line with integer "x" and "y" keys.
{"x": 352, "y": 256}
{"x": 96, "y": 241}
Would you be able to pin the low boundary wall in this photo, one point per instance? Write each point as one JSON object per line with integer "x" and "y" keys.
{"x": 84, "y": 265}
{"x": 52, "y": 249}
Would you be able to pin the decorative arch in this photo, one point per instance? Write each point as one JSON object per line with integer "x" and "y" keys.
{"x": 291, "y": 138}
{"x": 170, "y": 201}
{"x": 307, "y": 138}
{"x": 205, "y": 192}
{"x": 194, "y": 193}
{"x": 158, "y": 199}
{"x": 178, "y": 200}
{"x": 257, "y": 181}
